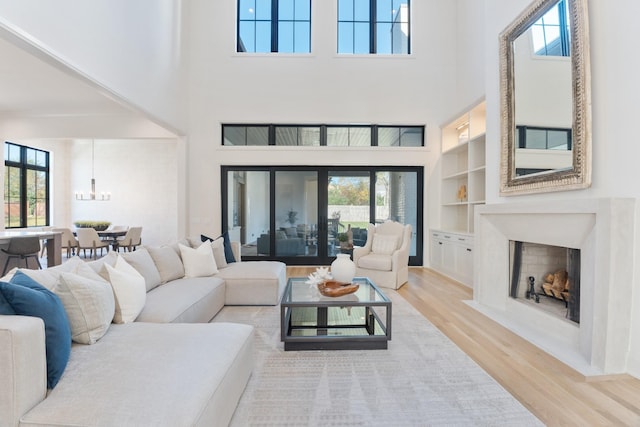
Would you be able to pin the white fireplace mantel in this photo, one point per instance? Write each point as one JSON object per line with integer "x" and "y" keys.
{"x": 603, "y": 230}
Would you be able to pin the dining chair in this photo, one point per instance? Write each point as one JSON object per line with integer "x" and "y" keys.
{"x": 88, "y": 238}
{"x": 43, "y": 246}
{"x": 129, "y": 241}
{"x": 69, "y": 241}
{"x": 22, "y": 248}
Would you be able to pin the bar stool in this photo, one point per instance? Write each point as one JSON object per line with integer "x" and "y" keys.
{"x": 22, "y": 248}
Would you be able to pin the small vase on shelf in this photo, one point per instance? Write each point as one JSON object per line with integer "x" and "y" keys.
{"x": 343, "y": 269}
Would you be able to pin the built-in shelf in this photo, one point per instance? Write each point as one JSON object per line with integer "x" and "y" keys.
{"x": 463, "y": 166}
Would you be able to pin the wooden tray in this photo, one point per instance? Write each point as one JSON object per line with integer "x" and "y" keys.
{"x": 331, "y": 288}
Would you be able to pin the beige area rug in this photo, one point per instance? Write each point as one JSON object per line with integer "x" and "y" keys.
{"x": 423, "y": 379}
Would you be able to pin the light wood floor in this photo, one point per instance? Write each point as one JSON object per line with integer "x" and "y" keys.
{"x": 555, "y": 393}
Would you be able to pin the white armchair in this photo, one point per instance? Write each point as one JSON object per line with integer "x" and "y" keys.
{"x": 385, "y": 256}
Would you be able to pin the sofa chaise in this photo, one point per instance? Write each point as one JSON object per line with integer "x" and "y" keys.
{"x": 169, "y": 367}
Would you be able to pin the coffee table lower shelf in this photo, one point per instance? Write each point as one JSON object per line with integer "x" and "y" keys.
{"x": 336, "y": 323}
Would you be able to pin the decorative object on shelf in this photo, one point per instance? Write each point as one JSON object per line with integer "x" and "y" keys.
{"x": 333, "y": 288}
{"x": 463, "y": 132}
{"x": 104, "y": 196}
{"x": 343, "y": 269}
{"x": 462, "y": 193}
{"x": 96, "y": 225}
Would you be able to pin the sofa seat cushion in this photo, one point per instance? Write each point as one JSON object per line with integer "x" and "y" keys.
{"x": 254, "y": 282}
{"x": 187, "y": 300}
{"x": 145, "y": 374}
{"x": 375, "y": 261}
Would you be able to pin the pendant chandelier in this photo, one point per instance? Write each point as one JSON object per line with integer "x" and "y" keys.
{"x": 102, "y": 197}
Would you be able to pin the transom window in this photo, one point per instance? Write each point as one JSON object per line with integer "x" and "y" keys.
{"x": 551, "y": 33}
{"x": 26, "y": 186}
{"x": 274, "y": 26}
{"x": 543, "y": 138}
{"x": 323, "y": 135}
{"x": 373, "y": 27}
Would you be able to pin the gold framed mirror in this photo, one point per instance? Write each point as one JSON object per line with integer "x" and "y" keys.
{"x": 545, "y": 97}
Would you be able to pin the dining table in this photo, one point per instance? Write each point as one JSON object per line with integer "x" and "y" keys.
{"x": 111, "y": 236}
{"x": 52, "y": 239}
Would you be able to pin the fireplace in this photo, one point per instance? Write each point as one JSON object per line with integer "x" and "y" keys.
{"x": 547, "y": 276}
{"x": 603, "y": 229}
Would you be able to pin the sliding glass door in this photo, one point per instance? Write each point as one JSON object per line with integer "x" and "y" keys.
{"x": 348, "y": 208}
{"x": 300, "y": 215}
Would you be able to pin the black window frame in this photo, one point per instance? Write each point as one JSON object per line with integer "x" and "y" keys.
{"x": 521, "y": 136}
{"x": 323, "y": 171}
{"x": 275, "y": 28}
{"x": 563, "y": 45}
{"x": 373, "y": 23}
{"x": 24, "y": 166}
{"x": 272, "y": 140}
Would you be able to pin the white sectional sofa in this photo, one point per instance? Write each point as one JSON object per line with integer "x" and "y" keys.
{"x": 169, "y": 367}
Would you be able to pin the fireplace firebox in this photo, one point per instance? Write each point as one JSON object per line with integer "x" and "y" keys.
{"x": 546, "y": 276}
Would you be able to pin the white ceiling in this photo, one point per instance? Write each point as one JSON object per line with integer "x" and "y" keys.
{"x": 30, "y": 86}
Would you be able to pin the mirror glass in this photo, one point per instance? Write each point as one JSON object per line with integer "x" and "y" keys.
{"x": 544, "y": 99}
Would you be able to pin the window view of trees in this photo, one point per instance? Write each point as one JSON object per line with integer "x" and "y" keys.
{"x": 26, "y": 189}
{"x": 348, "y": 191}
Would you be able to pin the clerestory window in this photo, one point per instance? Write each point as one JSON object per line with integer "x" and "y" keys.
{"x": 552, "y": 33}
{"x": 374, "y": 27}
{"x": 274, "y": 26}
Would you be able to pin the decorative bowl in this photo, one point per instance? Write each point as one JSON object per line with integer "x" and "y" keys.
{"x": 332, "y": 288}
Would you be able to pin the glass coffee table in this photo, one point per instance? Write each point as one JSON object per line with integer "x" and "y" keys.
{"x": 311, "y": 321}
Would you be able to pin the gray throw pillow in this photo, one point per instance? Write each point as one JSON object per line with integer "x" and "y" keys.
{"x": 167, "y": 262}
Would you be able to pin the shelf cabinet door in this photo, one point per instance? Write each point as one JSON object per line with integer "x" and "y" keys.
{"x": 436, "y": 253}
{"x": 464, "y": 263}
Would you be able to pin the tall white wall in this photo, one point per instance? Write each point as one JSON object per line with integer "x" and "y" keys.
{"x": 320, "y": 87}
{"x": 132, "y": 48}
{"x": 615, "y": 87}
{"x": 142, "y": 176}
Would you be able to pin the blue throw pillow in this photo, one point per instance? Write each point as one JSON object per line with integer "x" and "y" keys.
{"x": 228, "y": 252}
{"x": 5, "y": 307}
{"x": 28, "y": 298}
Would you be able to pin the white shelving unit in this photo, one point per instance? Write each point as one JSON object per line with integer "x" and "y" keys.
{"x": 463, "y": 163}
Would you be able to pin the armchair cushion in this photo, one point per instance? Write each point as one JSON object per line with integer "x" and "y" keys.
{"x": 375, "y": 261}
{"x": 384, "y": 244}
{"x": 291, "y": 232}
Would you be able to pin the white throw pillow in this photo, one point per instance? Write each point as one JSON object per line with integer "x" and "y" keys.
{"x": 384, "y": 244}
{"x": 143, "y": 263}
{"x": 198, "y": 262}
{"x": 48, "y": 277}
{"x": 129, "y": 290}
{"x": 218, "y": 252}
{"x": 89, "y": 305}
{"x": 109, "y": 258}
